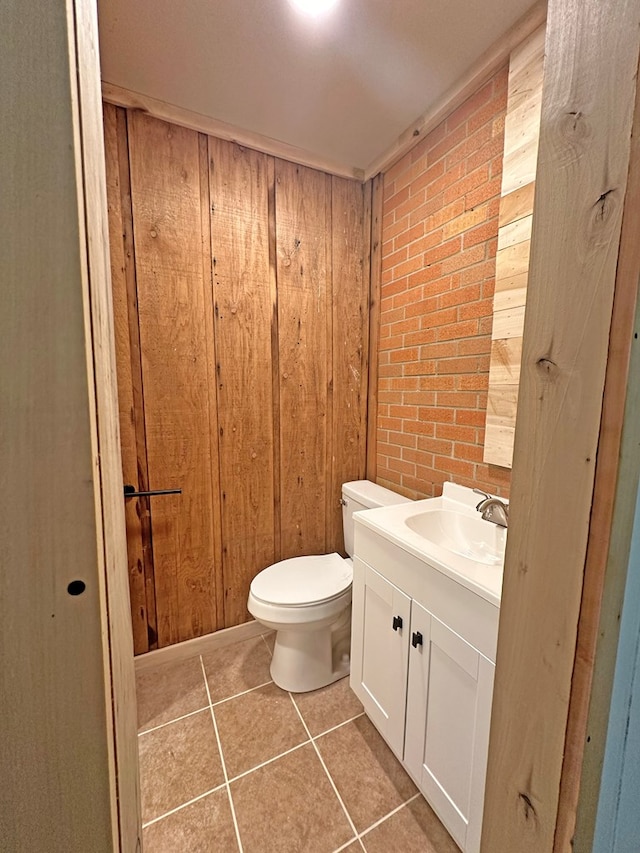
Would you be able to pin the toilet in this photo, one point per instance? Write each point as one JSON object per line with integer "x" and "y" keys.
{"x": 307, "y": 602}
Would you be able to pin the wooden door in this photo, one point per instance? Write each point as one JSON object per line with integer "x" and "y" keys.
{"x": 379, "y": 646}
{"x": 448, "y": 716}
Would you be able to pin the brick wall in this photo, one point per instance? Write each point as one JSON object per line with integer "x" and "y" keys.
{"x": 439, "y": 240}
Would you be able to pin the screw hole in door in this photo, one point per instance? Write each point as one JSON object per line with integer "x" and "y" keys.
{"x": 76, "y": 587}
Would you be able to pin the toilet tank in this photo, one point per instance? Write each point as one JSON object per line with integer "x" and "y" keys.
{"x": 363, "y": 494}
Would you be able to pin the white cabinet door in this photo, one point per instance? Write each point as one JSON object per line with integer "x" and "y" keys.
{"x": 448, "y": 710}
{"x": 379, "y": 650}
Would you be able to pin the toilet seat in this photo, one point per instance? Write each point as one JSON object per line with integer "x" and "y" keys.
{"x": 303, "y": 581}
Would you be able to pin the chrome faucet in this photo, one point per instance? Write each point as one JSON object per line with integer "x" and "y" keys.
{"x": 493, "y": 509}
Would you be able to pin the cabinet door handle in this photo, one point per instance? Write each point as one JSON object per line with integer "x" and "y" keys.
{"x": 397, "y": 622}
{"x": 416, "y": 639}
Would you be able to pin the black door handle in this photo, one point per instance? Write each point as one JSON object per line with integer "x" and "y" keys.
{"x": 416, "y": 639}
{"x": 130, "y": 492}
{"x": 397, "y": 622}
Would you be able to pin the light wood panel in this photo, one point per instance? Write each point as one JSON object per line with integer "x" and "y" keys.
{"x": 521, "y": 133}
{"x": 172, "y": 301}
{"x": 592, "y": 51}
{"x": 303, "y": 220}
{"x": 350, "y": 310}
{"x": 243, "y": 310}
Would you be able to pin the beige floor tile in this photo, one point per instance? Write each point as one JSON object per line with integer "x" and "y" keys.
{"x": 354, "y": 847}
{"x": 322, "y": 709}
{"x": 367, "y": 775}
{"x": 413, "y": 829}
{"x": 236, "y": 668}
{"x": 289, "y": 806}
{"x": 206, "y": 826}
{"x": 256, "y": 727}
{"x": 178, "y": 762}
{"x": 169, "y": 691}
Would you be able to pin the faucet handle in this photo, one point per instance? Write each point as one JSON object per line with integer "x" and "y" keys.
{"x": 480, "y": 492}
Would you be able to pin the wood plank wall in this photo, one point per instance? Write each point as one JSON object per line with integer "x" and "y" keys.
{"x": 521, "y": 134}
{"x": 241, "y": 309}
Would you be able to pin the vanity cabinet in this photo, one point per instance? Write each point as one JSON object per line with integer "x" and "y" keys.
{"x": 422, "y": 664}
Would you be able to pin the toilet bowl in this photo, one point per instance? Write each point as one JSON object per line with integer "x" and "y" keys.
{"x": 307, "y": 602}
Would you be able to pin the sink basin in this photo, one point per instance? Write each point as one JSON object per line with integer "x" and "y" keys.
{"x": 466, "y": 535}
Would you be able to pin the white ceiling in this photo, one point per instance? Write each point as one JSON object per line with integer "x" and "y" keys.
{"x": 343, "y": 87}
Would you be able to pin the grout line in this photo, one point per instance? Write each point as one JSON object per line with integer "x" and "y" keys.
{"x": 391, "y": 813}
{"x": 266, "y": 644}
{"x": 222, "y": 761}
{"x": 331, "y": 782}
{"x": 184, "y": 805}
{"x": 242, "y": 693}
{"x": 339, "y": 726}
{"x": 175, "y": 720}
{"x": 269, "y": 761}
{"x": 347, "y": 844}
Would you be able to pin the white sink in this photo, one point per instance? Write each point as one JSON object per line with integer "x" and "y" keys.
{"x": 448, "y": 534}
{"x": 462, "y": 534}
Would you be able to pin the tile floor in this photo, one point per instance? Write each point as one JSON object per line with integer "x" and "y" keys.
{"x": 230, "y": 762}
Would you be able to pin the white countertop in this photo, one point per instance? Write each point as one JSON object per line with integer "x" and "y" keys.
{"x": 390, "y": 522}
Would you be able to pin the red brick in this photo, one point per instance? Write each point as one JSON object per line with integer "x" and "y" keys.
{"x": 402, "y": 439}
{"x": 488, "y": 112}
{"x": 471, "y": 105}
{"x": 394, "y": 258}
{"x": 444, "y": 250}
{"x": 453, "y": 466}
{"x": 460, "y": 296}
{"x": 455, "y": 432}
{"x": 408, "y": 235}
{"x": 483, "y": 308}
{"x": 483, "y": 193}
{"x": 470, "y": 418}
{"x": 462, "y": 329}
{"x": 467, "y": 184}
{"x": 478, "y": 381}
{"x": 428, "y": 176}
{"x": 457, "y": 399}
{"x": 474, "y": 346}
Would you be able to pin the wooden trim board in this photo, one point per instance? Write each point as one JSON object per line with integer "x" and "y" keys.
{"x": 478, "y": 74}
{"x": 213, "y": 127}
{"x": 108, "y": 485}
{"x": 200, "y": 645}
{"x": 585, "y": 142}
{"x": 375, "y": 273}
{"x": 611, "y": 528}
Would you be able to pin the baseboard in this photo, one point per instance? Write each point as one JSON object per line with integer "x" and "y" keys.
{"x": 200, "y": 645}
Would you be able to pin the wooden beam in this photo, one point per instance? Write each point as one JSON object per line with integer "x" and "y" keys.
{"x": 585, "y": 141}
{"x": 470, "y": 82}
{"x": 612, "y": 519}
{"x": 213, "y": 127}
{"x": 375, "y": 272}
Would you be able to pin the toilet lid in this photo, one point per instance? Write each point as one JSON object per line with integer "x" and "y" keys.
{"x": 303, "y": 580}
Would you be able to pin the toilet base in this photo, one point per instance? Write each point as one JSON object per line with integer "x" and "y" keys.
{"x": 308, "y": 660}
